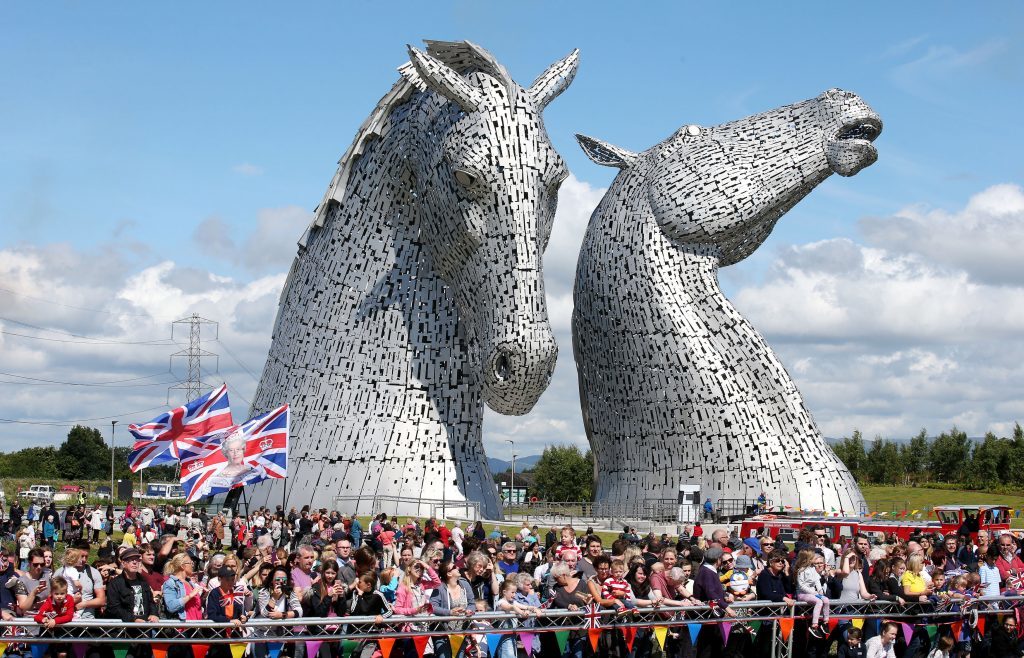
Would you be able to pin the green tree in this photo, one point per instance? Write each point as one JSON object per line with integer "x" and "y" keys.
{"x": 950, "y": 455}
{"x": 851, "y": 452}
{"x": 989, "y": 463}
{"x": 883, "y": 462}
{"x": 563, "y": 473}
{"x": 914, "y": 458}
{"x": 83, "y": 455}
{"x": 38, "y": 462}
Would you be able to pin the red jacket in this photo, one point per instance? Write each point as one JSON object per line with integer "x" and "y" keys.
{"x": 61, "y": 614}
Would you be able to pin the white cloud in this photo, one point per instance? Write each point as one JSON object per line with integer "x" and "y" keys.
{"x": 269, "y": 247}
{"x": 918, "y": 328}
{"x": 247, "y": 169}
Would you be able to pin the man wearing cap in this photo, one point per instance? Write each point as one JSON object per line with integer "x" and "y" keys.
{"x": 129, "y": 597}
{"x": 222, "y": 608}
{"x": 752, "y": 549}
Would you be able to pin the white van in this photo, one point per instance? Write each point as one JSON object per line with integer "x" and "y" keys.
{"x": 41, "y": 493}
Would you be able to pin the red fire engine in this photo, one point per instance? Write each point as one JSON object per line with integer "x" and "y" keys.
{"x": 994, "y": 518}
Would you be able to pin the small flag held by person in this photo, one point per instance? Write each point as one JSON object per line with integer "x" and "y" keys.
{"x": 235, "y": 456}
{"x": 160, "y": 440}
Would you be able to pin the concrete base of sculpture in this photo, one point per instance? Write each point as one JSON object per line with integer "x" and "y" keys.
{"x": 676, "y": 386}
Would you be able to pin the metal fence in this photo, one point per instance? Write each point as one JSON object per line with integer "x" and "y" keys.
{"x": 777, "y": 620}
{"x": 643, "y": 513}
{"x": 466, "y": 510}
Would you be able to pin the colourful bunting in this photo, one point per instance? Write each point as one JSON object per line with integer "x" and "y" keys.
{"x": 81, "y": 648}
{"x": 908, "y": 632}
{"x": 629, "y": 636}
{"x": 832, "y": 623}
{"x": 726, "y": 628}
{"x": 274, "y": 649}
{"x": 594, "y": 634}
{"x": 121, "y": 650}
{"x": 659, "y": 633}
{"x": 957, "y": 627}
{"x": 456, "y": 642}
{"x": 857, "y": 622}
{"x": 981, "y": 625}
{"x": 786, "y": 626}
{"x": 198, "y": 651}
{"x": 39, "y": 650}
{"x": 563, "y": 640}
{"x": 694, "y": 632}
{"x": 914, "y": 512}
{"x": 386, "y": 645}
{"x": 527, "y": 639}
{"x": 312, "y": 649}
{"x": 420, "y": 642}
{"x": 159, "y": 650}
{"x": 754, "y": 625}
{"x": 493, "y": 640}
{"x": 3, "y": 648}
{"x": 933, "y": 632}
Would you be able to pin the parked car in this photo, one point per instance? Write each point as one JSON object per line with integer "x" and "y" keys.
{"x": 42, "y": 493}
{"x": 103, "y": 492}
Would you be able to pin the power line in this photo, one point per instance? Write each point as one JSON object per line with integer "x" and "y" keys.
{"x": 97, "y": 341}
{"x": 70, "y": 423}
{"x": 77, "y": 308}
{"x": 117, "y": 383}
{"x": 238, "y": 361}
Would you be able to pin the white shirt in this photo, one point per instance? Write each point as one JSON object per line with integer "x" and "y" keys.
{"x": 875, "y": 649}
{"x": 96, "y": 519}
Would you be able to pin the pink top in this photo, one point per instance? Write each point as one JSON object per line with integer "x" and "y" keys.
{"x": 406, "y": 598}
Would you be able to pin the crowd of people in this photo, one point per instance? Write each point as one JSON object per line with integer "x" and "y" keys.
{"x": 151, "y": 563}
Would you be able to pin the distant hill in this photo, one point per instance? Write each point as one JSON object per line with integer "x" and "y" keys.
{"x": 522, "y": 463}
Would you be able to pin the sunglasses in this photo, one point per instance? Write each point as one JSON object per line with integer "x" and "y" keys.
{"x": 38, "y": 564}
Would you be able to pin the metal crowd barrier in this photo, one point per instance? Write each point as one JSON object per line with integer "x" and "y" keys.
{"x": 107, "y": 631}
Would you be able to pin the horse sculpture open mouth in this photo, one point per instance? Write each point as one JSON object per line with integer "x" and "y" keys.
{"x": 851, "y": 149}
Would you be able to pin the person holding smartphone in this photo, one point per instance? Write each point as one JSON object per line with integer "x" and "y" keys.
{"x": 31, "y": 587}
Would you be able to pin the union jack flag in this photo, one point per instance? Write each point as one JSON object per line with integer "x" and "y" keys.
{"x": 238, "y": 455}
{"x": 160, "y": 440}
{"x": 592, "y": 617}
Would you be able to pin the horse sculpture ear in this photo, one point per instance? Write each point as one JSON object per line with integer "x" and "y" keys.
{"x": 434, "y": 74}
{"x": 555, "y": 79}
{"x": 605, "y": 154}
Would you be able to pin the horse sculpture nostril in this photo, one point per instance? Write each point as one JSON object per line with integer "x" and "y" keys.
{"x": 501, "y": 367}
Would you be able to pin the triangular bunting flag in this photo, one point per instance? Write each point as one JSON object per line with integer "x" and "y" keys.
{"x": 981, "y": 625}
{"x": 3, "y": 648}
{"x": 39, "y": 650}
{"x": 493, "y": 639}
{"x": 386, "y": 645}
{"x": 876, "y": 624}
{"x": 908, "y": 632}
{"x": 456, "y": 642}
{"x": 159, "y": 651}
{"x": 754, "y": 625}
{"x": 274, "y": 649}
{"x": 563, "y": 640}
{"x": 312, "y": 649}
{"x": 933, "y": 632}
{"x": 121, "y": 650}
{"x": 725, "y": 627}
{"x": 660, "y": 632}
{"x": 594, "y": 634}
{"x": 857, "y": 622}
{"x": 420, "y": 642}
{"x": 81, "y": 648}
{"x": 629, "y": 636}
{"x": 198, "y": 651}
{"x": 832, "y": 623}
{"x": 786, "y": 626}
{"x": 527, "y": 640}
{"x": 694, "y": 630}
{"x": 957, "y": 627}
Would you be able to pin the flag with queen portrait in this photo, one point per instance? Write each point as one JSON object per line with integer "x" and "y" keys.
{"x": 235, "y": 456}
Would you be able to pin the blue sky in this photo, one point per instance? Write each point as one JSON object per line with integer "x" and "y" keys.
{"x": 130, "y": 128}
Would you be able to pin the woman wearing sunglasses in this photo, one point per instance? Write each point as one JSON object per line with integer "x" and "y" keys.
{"x": 274, "y": 600}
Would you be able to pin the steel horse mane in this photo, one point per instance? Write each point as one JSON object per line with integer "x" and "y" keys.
{"x": 417, "y": 292}
{"x": 676, "y": 386}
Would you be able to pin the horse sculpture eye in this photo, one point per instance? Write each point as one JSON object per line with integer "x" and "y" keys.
{"x": 464, "y": 178}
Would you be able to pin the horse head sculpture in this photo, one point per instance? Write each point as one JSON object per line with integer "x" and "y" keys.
{"x": 417, "y": 295}
{"x": 486, "y": 218}
{"x": 676, "y": 386}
